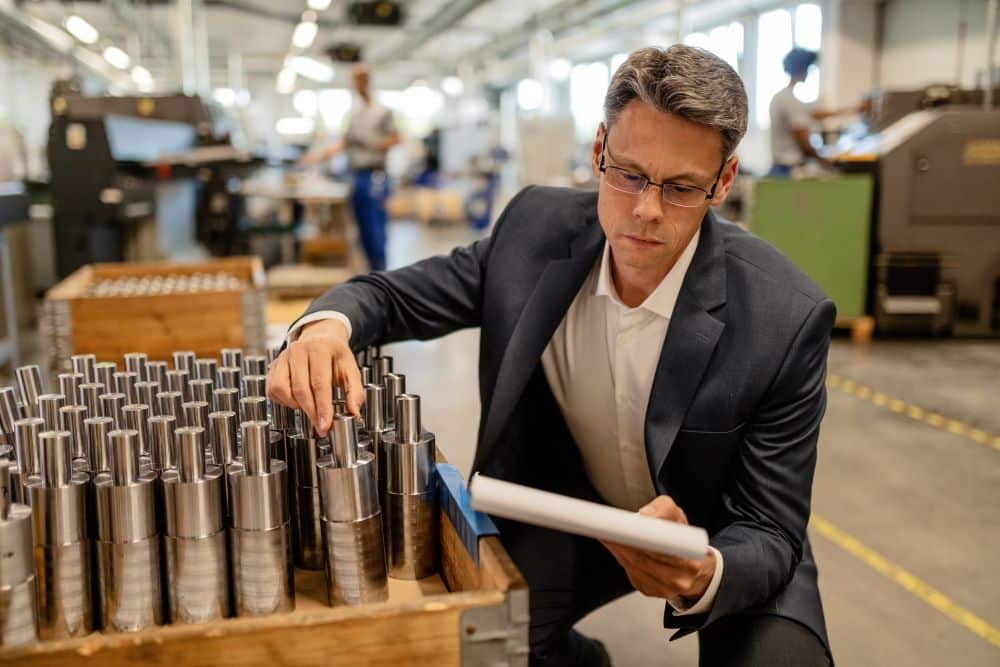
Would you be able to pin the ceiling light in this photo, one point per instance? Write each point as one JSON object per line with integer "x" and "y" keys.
{"x": 452, "y": 86}
{"x": 293, "y": 126}
{"x": 559, "y": 69}
{"x": 143, "y": 79}
{"x": 83, "y": 31}
{"x": 529, "y": 94}
{"x": 319, "y": 5}
{"x": 286, "y": 81}
{"x": 305, "y": 103}
{"x": 311, "y": 68}
{"x": 117, "y": 57}
{"x": 225, "y": 96}
{"x": 304, "y": 35}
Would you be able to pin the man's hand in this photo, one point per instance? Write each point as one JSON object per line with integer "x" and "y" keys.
{"x": 303, "y": 375}
{"x": 661, "y": 576}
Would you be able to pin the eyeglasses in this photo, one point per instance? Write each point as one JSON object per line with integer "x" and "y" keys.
{"x": 678, "y": 194}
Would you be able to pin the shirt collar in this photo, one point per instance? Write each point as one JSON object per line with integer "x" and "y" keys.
{"x": 662, "y": 300}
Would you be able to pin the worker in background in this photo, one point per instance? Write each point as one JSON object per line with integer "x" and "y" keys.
{"x": 371, "y": 132}
{"x": 792, "y": 119}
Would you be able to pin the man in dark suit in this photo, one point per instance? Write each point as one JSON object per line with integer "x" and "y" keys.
{"x": 635, "y": 350}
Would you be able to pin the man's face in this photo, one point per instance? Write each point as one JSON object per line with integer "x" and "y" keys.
{"x": 360, "y": 81}
{"x": 646, "y": 233}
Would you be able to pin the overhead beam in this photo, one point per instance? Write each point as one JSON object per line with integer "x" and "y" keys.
{"x": 447, "y": 17}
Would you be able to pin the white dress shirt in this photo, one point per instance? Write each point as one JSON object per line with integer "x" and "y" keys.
{"x": 600, "y": 365}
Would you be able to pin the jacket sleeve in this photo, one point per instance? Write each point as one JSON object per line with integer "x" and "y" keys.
{"x": 429, "y": 299}
{"x": 765, "y": 506}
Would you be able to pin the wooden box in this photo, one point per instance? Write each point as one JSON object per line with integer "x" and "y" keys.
{"x": 475, "y": 612}
{"x": 74, "y": 320}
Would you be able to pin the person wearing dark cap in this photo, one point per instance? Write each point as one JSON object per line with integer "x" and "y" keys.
{"x": 791, "y": 119}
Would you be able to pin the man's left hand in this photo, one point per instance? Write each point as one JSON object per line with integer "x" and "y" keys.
{"x": 659, "y": 575}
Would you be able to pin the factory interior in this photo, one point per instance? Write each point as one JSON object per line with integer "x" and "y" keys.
{"x": 235, "y": 428}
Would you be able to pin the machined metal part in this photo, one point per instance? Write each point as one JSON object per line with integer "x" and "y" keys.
{"x": 225, "y": 437}
{"x": 196, "y": 414}
{"x": 229, "y": 377}
{"x": 255, "y": 365}
{"x": 137, "y": 419}
{"x": 201, "y": 390}
{"x": 366, "y": 375}
{"x": 26, "y": 432}
{"x": 125, "y": 384}
{"x": 282, "y": 416}
{"x": 69, "y": 387}
{"x": 112, "y": 406}
{"x": 204, "y": 369}
{"x": 395, "y": 386}
{"x": 84, "y": 364}
{"x": 195, "y": 536}
{"x": 105, "y": 374}
{"x": 48, "y": 409}
{"x": 254, "y": 385}
{"x": 129, "y": 544}
{"x": 381, "y": 366}
{"x": 30, "y": 387}
{"x": 157, "y": 372}
{"x": 253, "y": 408}
{"x": 18, "y": 602}
{"x": 90, "y": 396}
{"x": 227, "y": 399}
{"x": 184, "y": 360}
{"x": 232, "y": 357}
{"x": 410, "y": 494}
{"x": 9, "y": 413}
{"x": 98, "y": 429}
{"x": 162, "y": 442}
{"x": 352, "y": 520}
{"x": 146, "y": 392}
{"x": 177, "y": 380}
{"x": 305, "y": 449}
{"x": 72, "y": 418}
{"x": 261, "y": 530}
{"x": 171, "y": 403}
{"x": 136, "y": 362}
{"x": 62, "y": 547}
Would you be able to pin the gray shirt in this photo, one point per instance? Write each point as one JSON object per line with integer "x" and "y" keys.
{"x": 787, "y": 115}
{"x": 368, "y": 124}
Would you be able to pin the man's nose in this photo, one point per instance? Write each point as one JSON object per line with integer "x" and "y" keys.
{"x": 649, "y": 205}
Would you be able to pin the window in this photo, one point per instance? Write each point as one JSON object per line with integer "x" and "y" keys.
{"x": 587, "y": 86}
{"x": 778, "y": 31}
{"x": 725, "y": 41}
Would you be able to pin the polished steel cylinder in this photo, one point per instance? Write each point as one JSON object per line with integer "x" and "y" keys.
{"x": 352, "y": 521}
{"x": 146, "y": 392}
{"x": 261, "y": 530}
{"x": 305, "y": 449}
{"x": 253, "y": 409}
{"x": 227, "y": 399}
{"x": 26, "y": 432}
{"x": 137, "y": 419}
{"x": 254, "y": 385}
{"x": 62, "y": 546}
{"x": 129, "y": 544}
{"x": 90, "y": 396}
{"x": 381, "y": 366}
{"x": 48, "y": 409}
{"x": 204, "y": 369}
{"x": 72, "y": 418}
{"x": 84, "y": 364}
{"x": 375, "y": 430}
{"x": 196, "y": 414}
{"x": 232, "y": 357}
{"x": 125, "y": 384}
{"x": 171, "y": 403}
{"x": 225, "y": 439}
{"x": 410, "y": 497}
{"x": 105, "y": 374}
{"x": 282, "y": 416}
{"x": 366, "y": 374}
{"x": 201, "y": 391}
{"x": 229, "y": 377}
{"x": 98, "y": 429}
{"x": 395, "y": 386}
{"x": 30, "y": 387}
{"x": 18, "y": 602}
{"x": 69, "y": 387}
{"x": 112, "y": 406}
{"x": 157, "y": 372}
{"x": 9, "y": 413}
{"x": 136, "y": 362}
{"x": 184, "y": 360}
{"x": 254, "y": 365}
{"x": 195, "y": 537}
{"x": 162, "y": 430}
{"x": 177, "y": 380}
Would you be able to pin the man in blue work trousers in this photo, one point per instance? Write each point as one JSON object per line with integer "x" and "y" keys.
{"x": 371, "y": 132}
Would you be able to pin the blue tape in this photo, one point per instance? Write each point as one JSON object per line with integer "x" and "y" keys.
{"x": 454, "y": 497}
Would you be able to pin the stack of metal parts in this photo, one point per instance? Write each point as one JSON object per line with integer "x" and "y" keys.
{"x": 169, "y": 284}
{"x": 157, "y": 493}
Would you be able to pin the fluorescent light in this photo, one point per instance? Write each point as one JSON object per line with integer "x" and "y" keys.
{"x": 225, "y": 96}
{"x": 311, "y": 68}
{"x": 83, "y": 31}
{"x": 243, "y": 97}
{"x": 117, "y": 57}
{"x": 559, "y": 69}
{"x": 529, "y": 94}
{"x": 304, "y": 35}
{"x": 319, "y": 5}
{"x": 452, "y": 86}
{"x": 305, "y": 102}
{"x": 288, "y": 126}
{"x": 143, "y": 79}
{"x": 286, "y": 81}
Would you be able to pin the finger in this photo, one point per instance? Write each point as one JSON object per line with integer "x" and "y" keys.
{"x": 320, "y": 383}
{"x": 350, "y": 380}
{"x": 299, "y": 373}
{"x": 279, "y": 384}
{"x": 664, "y": 507}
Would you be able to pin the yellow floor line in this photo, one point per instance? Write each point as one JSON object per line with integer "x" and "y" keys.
{"x": 910, "y": 582}
{"x": 937, "y": 420}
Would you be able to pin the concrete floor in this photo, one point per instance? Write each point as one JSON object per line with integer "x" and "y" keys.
{"x": 919, "y": 501}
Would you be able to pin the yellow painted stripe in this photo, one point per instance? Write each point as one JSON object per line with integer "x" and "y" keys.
{"x": 907, "y": 580}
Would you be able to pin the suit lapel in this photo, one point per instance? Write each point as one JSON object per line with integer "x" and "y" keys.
{"x": 688, "y": 347}
{"x": 557, "y": 287}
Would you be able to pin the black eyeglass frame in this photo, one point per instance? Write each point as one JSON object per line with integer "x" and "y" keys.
{"x": 709, "y": 194}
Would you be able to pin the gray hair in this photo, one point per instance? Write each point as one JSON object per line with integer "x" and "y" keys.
{"x": 684, "y": 81}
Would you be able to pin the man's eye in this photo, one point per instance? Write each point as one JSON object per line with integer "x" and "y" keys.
{"x": 680, "y": 189}
{"x": 632, "y": 178}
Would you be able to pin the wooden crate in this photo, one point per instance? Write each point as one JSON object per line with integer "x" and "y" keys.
{"x": 74, "y": 322}
{"x": 475, "y": 612}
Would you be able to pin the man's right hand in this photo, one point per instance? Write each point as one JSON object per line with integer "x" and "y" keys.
{"x": 303, "y": 375}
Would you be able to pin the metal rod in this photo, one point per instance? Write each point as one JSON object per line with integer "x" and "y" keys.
{"x": 69, "y": 387}
{"x": 98, "y": 429}
{"x": 56, "y": 466}
{"x": 255, "y": 456}
{"x": 162, "y": 438}
{"x": 190, "y": 453}
{"x": 344, "y": 441}
{"x": 84, "y": 365}
{"x": 48, "y": 408}
{"x": 408, "y": 418}
{"x": 123, "y": 446}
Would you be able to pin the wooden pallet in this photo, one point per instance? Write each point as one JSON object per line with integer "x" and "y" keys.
{"x": 861, "y": 327}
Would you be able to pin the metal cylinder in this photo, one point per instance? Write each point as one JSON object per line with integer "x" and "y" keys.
{"x": 129, "y": 545}
{"x": 227, "y": 399}
{"x": 84, "y": 364}
{"x": 90, "y": 396}
{"x": 98, "y": 429}
{"x": 381, "y": 366}
{"x": 135, "y": 362}
{"x": 366, "y": 375}
{"x": 71, "y": 419}
{"x": 201, "y": 391}
{"x": 177, "y": 380}
{"x": 137, "y": 419}
{"x": 9, "y": 413}
{"x": 171, "y": 403}
{"x": 225, "y": 439}
{"x": 232, "y": 357}
{"x": 195, "y": 537}
{"x": 125, "y": 384}
{"x": 18, "y": 602}
{"x": 261, "y": 537}
{"x": 204, "y": 369}
{"x": 112, "y": 406}
{"x": 282, "y": 416}
{"x": 196, "y": 414}
{"x": 157, "y": 372}
{"x": 305, "y": 449}
{"x": 48, "y": 408}
{"x": 254, "y": 385}
{"x": 253, "y": 408}
{"x": 146, "y": 393}
{"x": 62, "y": 548}
{"x": 229, "y": 377}
{"x": 30, "y": 387}
{"x": 26, "y": 432}
{"x": 395, "y": 386}
{"x": 184, "y": 360}
{"x": 161, "y": 442}
{"x": 104, "y": 372}
{"x": 69, "y": 387}
{"x": 410, "y": 495}
{"x": 254, "y": 365}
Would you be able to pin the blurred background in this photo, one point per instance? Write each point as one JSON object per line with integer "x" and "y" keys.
{"x": 188, "y": 131}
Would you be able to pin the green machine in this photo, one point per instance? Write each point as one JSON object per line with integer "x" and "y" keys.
{"x": 824, "y": 226}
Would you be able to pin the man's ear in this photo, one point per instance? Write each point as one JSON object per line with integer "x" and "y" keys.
{"x": 726, "y": 180}
{"x": 595, "y": 156}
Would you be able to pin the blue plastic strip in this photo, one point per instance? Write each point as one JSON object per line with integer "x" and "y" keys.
{"x": 469, "y": 524}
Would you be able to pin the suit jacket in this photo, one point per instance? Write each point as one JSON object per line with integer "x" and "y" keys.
{"x": 735, "y": 407}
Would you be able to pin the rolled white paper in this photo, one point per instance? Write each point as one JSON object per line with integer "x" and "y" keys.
{"x": 581, "y": 517}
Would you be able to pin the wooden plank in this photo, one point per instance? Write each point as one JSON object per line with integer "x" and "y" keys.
{"x": 457, "y": 568}
{"x": 73, "y": 285}
{"x": 241, "y": 267}
{"x": 498, "y": 570}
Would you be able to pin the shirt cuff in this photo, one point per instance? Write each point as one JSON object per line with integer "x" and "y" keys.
{"x": 705, "y": 603}
{"x": 296, "y": 329}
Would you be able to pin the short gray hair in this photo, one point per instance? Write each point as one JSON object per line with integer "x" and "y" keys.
{"x": 684, "y": 81}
